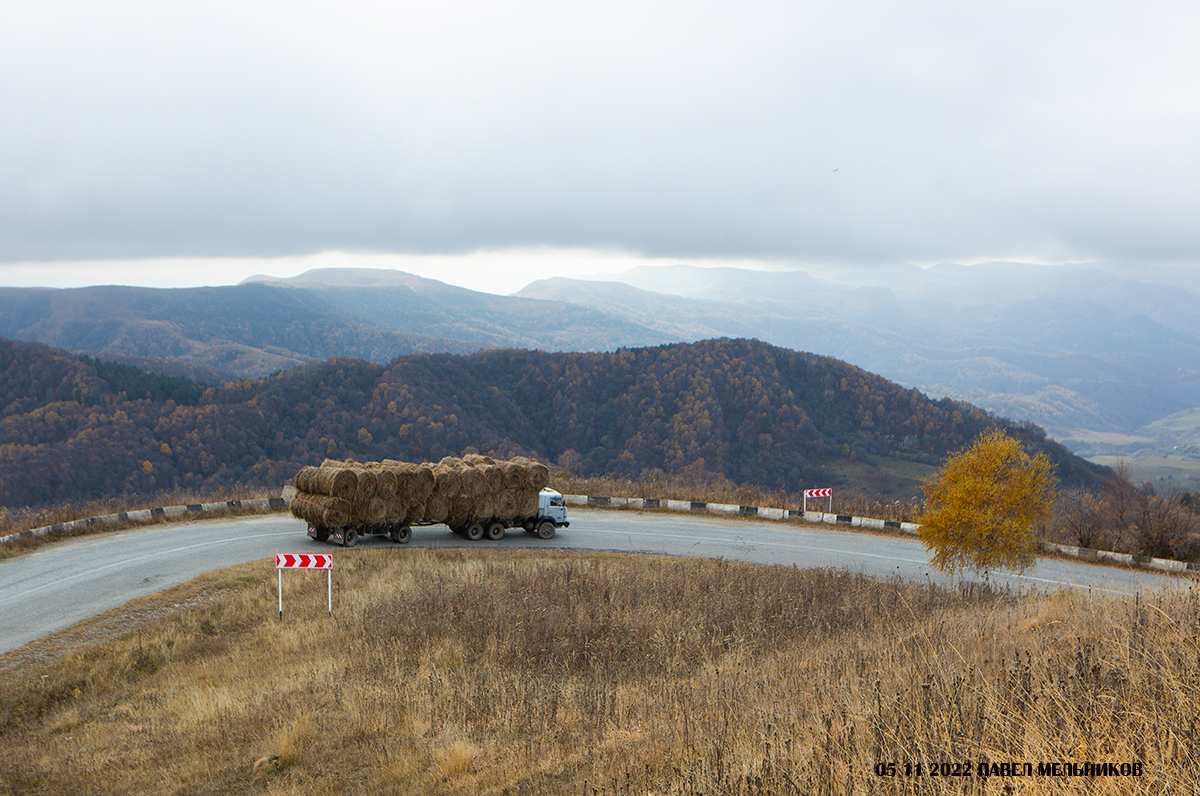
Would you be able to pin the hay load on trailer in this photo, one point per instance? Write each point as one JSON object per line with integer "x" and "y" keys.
{"x": 476, "y": 496}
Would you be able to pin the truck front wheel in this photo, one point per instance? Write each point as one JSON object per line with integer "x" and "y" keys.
{"x": 546, "y": 529}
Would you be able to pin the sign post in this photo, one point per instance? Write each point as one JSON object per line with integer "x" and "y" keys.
{"x": 817, "y": 493}
{"x": 305, "y": 561}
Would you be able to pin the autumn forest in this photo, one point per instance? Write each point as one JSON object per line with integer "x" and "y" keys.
{"x": 76, "y": 428}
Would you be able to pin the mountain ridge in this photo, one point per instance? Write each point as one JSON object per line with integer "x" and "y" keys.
{"x": 1080, "y": 350}
{"x": 739, "y": 410}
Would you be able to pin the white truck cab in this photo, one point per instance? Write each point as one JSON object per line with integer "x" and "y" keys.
{"x": 551, "y": 506}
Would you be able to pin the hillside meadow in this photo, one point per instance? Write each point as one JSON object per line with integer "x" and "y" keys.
{"x": 546, "y": 672}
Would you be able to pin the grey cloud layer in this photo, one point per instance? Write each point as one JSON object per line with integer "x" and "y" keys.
{"x": 916, "y": 131}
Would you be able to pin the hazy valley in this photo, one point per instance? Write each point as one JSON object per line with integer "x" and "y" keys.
{"x": 1107, "y": 360}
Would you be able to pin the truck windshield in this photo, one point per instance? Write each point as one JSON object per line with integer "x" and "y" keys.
{"x": 556, "y": 501}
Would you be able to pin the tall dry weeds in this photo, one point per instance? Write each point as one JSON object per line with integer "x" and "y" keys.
{"x": 466, "y": 671}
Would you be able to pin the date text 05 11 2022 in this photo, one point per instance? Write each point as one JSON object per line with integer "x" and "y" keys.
{"x": 985, "y": 769}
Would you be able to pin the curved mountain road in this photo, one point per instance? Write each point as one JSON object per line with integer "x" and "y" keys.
{"x": 62, "y": 584}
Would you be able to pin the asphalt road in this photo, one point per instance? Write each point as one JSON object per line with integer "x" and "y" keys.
{"x": 62, "y": 584}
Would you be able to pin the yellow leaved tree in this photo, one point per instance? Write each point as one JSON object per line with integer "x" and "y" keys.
{"x": 980, "y": 510}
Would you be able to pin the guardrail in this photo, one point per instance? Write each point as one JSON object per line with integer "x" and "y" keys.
{"x": 596, "y": 501}
{"x": 145, "y": 515}
{"x": 747, "y": 511}
{"x": 910, "y": 528}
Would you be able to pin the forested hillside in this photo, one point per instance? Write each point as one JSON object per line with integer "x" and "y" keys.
{"x": 737, "y": 409}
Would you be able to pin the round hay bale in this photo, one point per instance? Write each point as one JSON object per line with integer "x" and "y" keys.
{"x": 459, "y": 510}
{"x": 493, "y": 477}
{"x": 321, "y": 510}
{"x": 513, "y": 475}
{"x": 335, "y": 481}
{"x": 507, "y": 504}
{"x": 475, "y": 460}
{"x": 446, "y": 480}
{"x": 387, "y": 483}
{"x": 539, "y": 476}
{"x": 367, "y": 485}
{"x": 377, "y": 511}
{"x": 303, "y": 480}
{"x": 472, "y": 482}
{"x": 415, "y": 482}
{"x": 437, "y": 508}
{"x": 533, "y": 473}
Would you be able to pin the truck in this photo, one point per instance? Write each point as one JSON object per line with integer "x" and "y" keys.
{"x": 476, "y": 497}
{"x": 551, "y": 515}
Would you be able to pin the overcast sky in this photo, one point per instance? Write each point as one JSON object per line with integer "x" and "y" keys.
{"x": 572, "y": 137}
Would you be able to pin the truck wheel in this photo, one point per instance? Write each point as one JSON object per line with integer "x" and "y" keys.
{"x": 349, "y": 537}
{"x": 474, "y": 531}
{"x": 495, "y": 530}
{"x": 401, "y": 534}
{"x": 322, "y": 534}
{"x": 546, "y": 529}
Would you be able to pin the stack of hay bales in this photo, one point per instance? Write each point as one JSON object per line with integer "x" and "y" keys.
{"x": 391, "y": 493}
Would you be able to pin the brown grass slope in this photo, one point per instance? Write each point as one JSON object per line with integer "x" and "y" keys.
{"x": 466, "y": 672}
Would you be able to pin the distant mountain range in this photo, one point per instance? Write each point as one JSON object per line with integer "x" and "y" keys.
{"x": 1067, "y": 347}
{"x": 1101, "y": 357}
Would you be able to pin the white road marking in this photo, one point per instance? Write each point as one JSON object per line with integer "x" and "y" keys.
{"x": 124, "y": 561}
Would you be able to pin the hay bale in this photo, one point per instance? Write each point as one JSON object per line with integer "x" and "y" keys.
{"x": 472, "y": 482}
{"x": 527, "y": 501}
{"x": 475, "y": 460}
{"x": 393, "y": 492}
{"x": 507, "y": 505}
{"x": 511, "y": 475}
{"x": 363, "y": 485}
{"x": 446, "y": 480}
{"x": 379, "y": 511}
{"x": 334, "y": 481}
{"x": 533, "y": 473}
{"x": 322, "y": 511}
{"x": 408, "y": 482}
{"x": 437, "y": 509}
{"x": 387, "y": 483}
{"x": 303, "y": 480}
{"x": 493, "y": 477}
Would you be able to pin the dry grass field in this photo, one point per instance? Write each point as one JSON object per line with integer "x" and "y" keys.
{"x": 515, "y": 672}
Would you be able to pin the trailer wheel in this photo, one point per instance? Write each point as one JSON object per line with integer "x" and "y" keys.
{"x": 322, "y": 533}
{"x": 546, "y": 529}
{"x": 495, "y": 530}
{"x": 349, "y": 537}
{"x": 400, "y": 534}
{"x": 474, "y": 531}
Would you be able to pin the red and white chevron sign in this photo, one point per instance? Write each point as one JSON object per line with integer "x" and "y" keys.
{"x": 303, "y": 561}
{"x": 818, "y": 493}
